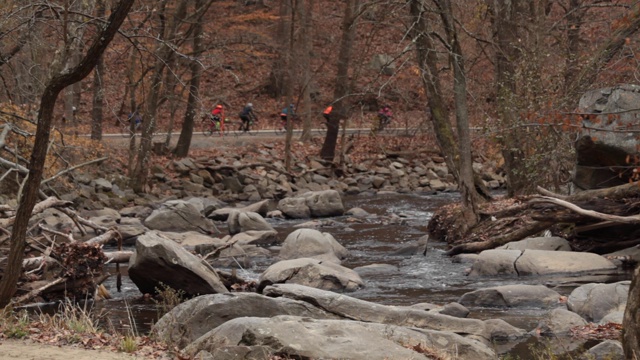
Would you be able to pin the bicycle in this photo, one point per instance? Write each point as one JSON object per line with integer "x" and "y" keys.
{"x": 240, "y": 130}
{"x": 379, "y": 125}
{"x": 129, "y": 130}
{"x": 214, "y": 125}
{"x": 282, "y": 129}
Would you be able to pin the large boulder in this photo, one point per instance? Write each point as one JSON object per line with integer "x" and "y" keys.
{"x": 550, "y": 243}
{"x": 559, "y": 321}
{"x": 261, "y": 207}
{"x": 324, "y": 275}
{"x": 594, "y": 301}
{"x": 312, "y": 204}
{"x": 192, "y": 319}
{"x": 310, "y": 243}
{"x": 512, "y": 296}
{"x": 241, "y": 221}
{"x": 537, "y": 262}
{"x": 304, "y": 338}
{"x": 158, "y": 262}
{"x": 602, "y": 159}
{"x": 606, "y": 350}
{"x": 179, "y": 216}
{"x": 540, "y": 262}
{"x": 348, "y": 307}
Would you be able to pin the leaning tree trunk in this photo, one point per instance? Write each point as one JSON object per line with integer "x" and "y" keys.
{"x": 428, "y": 63}
{"x": 470, "y": 196}
{"x": 39, "y": 153}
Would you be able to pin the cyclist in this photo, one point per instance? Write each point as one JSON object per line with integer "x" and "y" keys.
{"x": 385, "y": 116}
{"x": 327, "y": 112}
{"x": 284, "y": 113}
{"x": 216, "y": 115}
{"x": 247, "y": 116}
{"x": 137, "y": 119}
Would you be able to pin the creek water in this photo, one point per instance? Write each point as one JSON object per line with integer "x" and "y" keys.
{"x": 412, "y": 278}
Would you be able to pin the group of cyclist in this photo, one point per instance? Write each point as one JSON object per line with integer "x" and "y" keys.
{"x": 248, "y": 116}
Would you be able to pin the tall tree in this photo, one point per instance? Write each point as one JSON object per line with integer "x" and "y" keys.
{"x": 427, "y": 59}
{"x": 52, "y": 90}
{"x": 508, "y": 18}
{"x": 193, "y": 99}
{"x": 98, "y": 89}
{"x": 306, "y": 47}
{"x": 470, "y": 196}
{"x": 278, "y": 84}
{"x": 164, "y": 53}
{"x": 342, "y": 88}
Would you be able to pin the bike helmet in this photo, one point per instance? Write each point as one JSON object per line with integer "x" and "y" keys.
{"x": 218, "y": 106}
{"x": 250, "y": 105}
{"x": 291, "y": 106}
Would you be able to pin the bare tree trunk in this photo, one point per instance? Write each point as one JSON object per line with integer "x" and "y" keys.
{"x": 163, "y": 56}
{"x": 98, "y": 102}
{"x": 428, "y": 63}
{"x": 305, "y": 60}
{"x": 470, "y": 197}
{"x": 631, "y": 322}
{"x": 341, "y": 91}
{"x": 574, "y": 24}
{"x": 507, "y": 17}
{"x": 98, "y": 91}
{"x": 289, "y": 89}
{"x": 277, "y": 78}
{"x": 186, "y": 133}
{"x": 133, "y": 108}
{"x": 38, "y": 156}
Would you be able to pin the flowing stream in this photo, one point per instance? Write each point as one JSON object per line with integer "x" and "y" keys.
{"x": 400, "y": 220}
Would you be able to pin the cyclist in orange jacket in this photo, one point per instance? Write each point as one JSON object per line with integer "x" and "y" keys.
{"x": 327, "y": 112}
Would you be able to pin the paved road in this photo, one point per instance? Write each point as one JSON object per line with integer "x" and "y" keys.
{"x": 200, "y": 141}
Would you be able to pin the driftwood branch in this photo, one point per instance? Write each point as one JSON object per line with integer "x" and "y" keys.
{"x": 82, "y": 221}
{"x": 632, "y": 219}
{"x": 118, "y": 257}
{"x": 35, "y": 292}
{"x": 91, "y": 162}
{"x": 104, "y": 238}
{"x": 38, "y": 208}
{"x": 521, "y": 232}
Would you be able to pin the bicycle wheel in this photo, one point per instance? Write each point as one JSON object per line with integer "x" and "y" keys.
{"x": 207, "y": 128}
{"x": 237, "y": 128}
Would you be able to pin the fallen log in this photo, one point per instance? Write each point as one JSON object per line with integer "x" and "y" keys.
{"x": 523, "y": 231}
{"x": 35, "y": 292}
{"x": 104, "y": 238}
{"x": 577, "y": 217}
{"x": 118, "y": 257}
{"x": 38, "y": 208}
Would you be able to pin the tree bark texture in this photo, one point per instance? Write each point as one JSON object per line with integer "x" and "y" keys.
{"x": 38, "y": 155}
{"x": 340, "y": 107}
{"x": 631, "y": 322}
{"x": 186, "y": 134}
{"x": 470, "y": 197}
{"x": 428, "y": 63}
